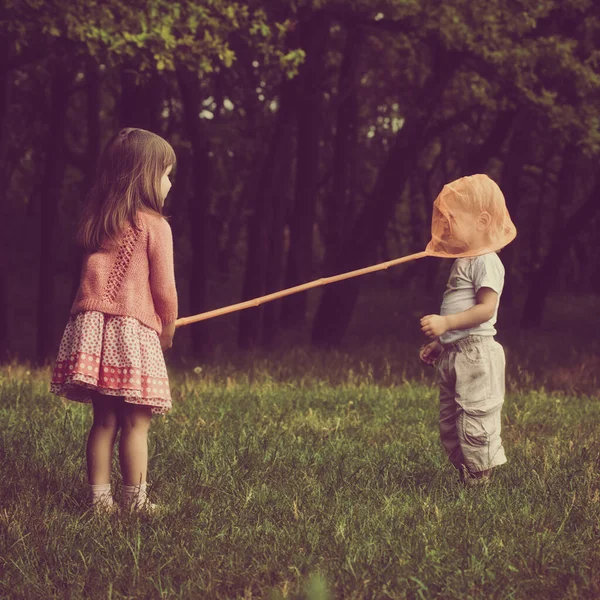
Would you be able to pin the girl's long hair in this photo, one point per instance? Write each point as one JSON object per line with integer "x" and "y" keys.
{"x": 128, "y": 180}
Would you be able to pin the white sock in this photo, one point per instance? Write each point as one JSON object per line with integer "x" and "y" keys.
{"x": 101, "y": 495}
{"x": 134, "y": 495}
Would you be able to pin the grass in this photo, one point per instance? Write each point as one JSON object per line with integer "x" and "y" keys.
{"x": 310, "y": 474}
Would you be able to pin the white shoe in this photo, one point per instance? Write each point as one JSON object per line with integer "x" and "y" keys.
{"x": 142, "y": 506}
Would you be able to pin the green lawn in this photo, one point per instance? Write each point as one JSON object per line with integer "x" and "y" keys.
{"x": 310, "y": 475}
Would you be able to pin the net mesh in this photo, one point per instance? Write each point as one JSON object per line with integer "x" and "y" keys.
{"x": 470, "y": 218}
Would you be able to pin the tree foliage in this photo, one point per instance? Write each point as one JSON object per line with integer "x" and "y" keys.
{"x": 149, "y": 34}
{"x": 321, "y": 128}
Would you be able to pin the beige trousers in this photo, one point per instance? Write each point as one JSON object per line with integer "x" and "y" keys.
{"x": 470, "y": 375}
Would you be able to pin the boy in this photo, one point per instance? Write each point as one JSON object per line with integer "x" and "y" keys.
{"x": 469, "y": 362}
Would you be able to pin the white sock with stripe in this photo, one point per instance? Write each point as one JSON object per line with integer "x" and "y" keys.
{"x": 102, "y": 495}
{"x": 134, "y": 495}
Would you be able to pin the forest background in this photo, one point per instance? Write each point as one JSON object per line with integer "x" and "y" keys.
{"x": 312, "y": 138}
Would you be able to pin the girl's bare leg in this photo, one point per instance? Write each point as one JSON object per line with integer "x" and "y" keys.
{"x": 133, "y": 445}
{"x": 101, "y": 439}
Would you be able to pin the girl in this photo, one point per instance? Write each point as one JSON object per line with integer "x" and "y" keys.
{"x": 124, "y": 312}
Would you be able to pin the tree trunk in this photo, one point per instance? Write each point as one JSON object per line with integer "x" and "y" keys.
{"x": 480, "y": 155}
{"x": 5, "y": 93}
{"x": 236, "y": 218}
{"x": 142, "y": 101}
{"x": 400, "y": 278}
{"x": 309, "y": 109}
{"x": 275, "y": 258}
{"x": 262, "y": 220}
{"x": 431, "y": 266}
{"x": 581, "y": 260}
{"x": 198, "y": 206}
{"x": 92, "y": 152}
{"x": 536, "y": 223}
{"x": 359, "y": 250}
{"x": 545, "y": 277}
{"x": 4, "y": 330}
{"x": 54, "y": 169}
{"x": 5, "y": 90}
{"x": 519, "y": 151}
{"x": 344, "y": 146}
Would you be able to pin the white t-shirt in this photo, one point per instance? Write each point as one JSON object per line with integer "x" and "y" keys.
{"x": 467, "y": 276}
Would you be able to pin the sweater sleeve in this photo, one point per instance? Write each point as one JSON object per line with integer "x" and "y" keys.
{"x": 162, "y": 270}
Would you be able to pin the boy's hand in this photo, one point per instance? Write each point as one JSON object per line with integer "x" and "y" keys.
{"x": 434, "y": 325}
{"x": 166, "y": 336}
{"x": 430, "y": 352}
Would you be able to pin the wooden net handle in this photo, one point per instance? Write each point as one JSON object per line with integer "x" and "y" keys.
{"x": 294, "y": 290}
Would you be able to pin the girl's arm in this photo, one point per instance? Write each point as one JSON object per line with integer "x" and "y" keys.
{"x": 435, "y": 325}
{"x": 166, "y": 336}
{"x": 162, "y": 271}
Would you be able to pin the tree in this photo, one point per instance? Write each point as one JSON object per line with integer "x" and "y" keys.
{"x": 565, "y": 233}
{"x": 144, "y": 40}
{"x": 343, "y": 119}
{"x": 313, "y": 37}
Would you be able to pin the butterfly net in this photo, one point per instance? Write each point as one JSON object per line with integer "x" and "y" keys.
{"x": 470, "y": 218}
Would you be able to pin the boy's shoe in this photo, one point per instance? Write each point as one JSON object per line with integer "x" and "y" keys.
{"x": 478, "y": 481}
{"x": 470, "y": 480}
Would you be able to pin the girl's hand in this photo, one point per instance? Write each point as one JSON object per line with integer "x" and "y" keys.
{"x": 430, "y": 352}
{"x": 434, "y": 325}
{"x": 166, "y": 336}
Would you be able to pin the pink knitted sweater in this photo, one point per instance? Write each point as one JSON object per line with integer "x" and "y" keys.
{"x": 135, "y": 278}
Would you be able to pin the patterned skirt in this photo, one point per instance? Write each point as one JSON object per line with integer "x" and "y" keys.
{"x": 114, "y": 355}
